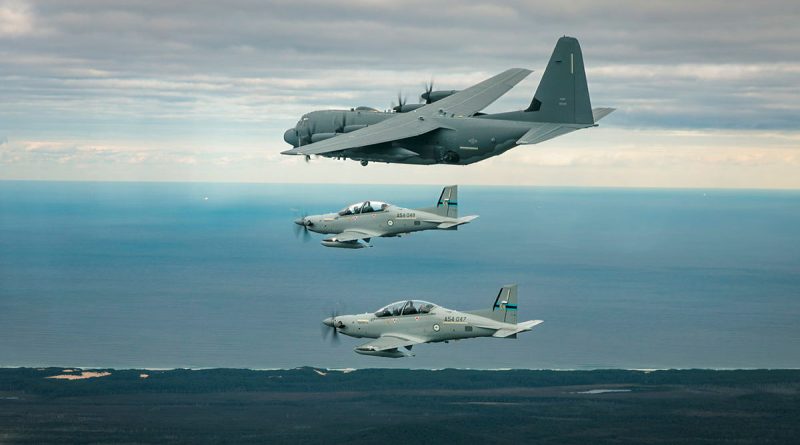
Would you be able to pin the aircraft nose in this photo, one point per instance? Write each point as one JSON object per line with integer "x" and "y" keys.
{"x": 305, "y": 221}
{"x": 290, "y": 136}
{"x": 328, "y": 322}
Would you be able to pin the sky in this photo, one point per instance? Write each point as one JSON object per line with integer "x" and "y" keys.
{"x": 706, "y": 92}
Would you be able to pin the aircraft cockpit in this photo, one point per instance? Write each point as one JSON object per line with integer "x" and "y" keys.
{"x": 363, "y": 207}
{"x": 406, "y": 307}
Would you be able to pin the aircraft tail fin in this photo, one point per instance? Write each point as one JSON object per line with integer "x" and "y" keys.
{"x": 447, "y": 205}
{"x": 504, "y": 308}
{"x": 563, "y": 95}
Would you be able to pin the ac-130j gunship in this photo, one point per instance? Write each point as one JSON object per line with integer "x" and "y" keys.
{"x": 396, "y": 328}
{"x": 449, "y": 128}
{"x": 370, "y": 219}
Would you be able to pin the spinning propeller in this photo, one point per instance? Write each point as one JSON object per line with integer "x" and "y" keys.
{"x": 401, "y": 102}
{"x": 331, "y": 324}
{"x": 426, "y": 96}
{"x": 302, "y": 224}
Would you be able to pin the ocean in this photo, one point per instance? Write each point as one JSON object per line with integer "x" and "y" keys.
{"x": 206, "y": 275}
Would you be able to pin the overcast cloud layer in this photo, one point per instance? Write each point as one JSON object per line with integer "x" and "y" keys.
{"x": 707, "y": 92}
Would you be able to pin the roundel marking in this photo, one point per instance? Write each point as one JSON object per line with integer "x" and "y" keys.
{"x": 390, "y": 222}
{"x": 436, "y": 327}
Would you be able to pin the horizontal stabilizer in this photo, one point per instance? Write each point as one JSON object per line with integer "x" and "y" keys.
{"x": 599, "y": 113}
{"x": 519, "y": 327}
{"x": 458, "y": 222}
{"x": 543, "y": 132}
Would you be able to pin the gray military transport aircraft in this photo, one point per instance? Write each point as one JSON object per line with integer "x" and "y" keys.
{"x": 370, "y": 219}
{"x": 449, "y": 127}
{"x": 399, "y": 326}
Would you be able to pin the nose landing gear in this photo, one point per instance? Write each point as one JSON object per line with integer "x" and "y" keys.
{"x": 364, "y": 163}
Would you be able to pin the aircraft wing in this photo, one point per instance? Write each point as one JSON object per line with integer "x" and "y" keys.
{"x": 477, "y": 97}
{"x": 353, "y": 235}
{"x": 389, "y": 341}
{"x": 422, "y": 120}
{"x": 401, "y": 126}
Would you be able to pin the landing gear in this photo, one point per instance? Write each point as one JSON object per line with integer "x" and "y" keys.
{"x": 451, "y": 157}
{"x": 364, "y": 163}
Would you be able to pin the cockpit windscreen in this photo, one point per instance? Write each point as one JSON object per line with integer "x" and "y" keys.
{"x": 406, "y": 307}
{"x": 363, "y": 207}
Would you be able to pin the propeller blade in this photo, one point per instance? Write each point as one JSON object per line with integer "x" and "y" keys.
{"x": 329, "y": 328}
{"x": 326, "y": 331}
{"x": 426, "y": 96}
{"x": 301, "y": 225}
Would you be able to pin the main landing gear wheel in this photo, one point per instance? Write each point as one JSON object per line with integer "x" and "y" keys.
{"x": 364, "y": 163}
{"x": 451, "y": 157}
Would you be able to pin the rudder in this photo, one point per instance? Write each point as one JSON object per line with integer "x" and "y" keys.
{"x": 505, "y": 305}
{"x": 563, "y": 95}
{"x": 447, "y": 205}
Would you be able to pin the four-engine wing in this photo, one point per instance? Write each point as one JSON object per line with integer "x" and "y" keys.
{"x": 405, "y": 125}
{"x": 477, "y": 97}
{"x": 401, "y": 126}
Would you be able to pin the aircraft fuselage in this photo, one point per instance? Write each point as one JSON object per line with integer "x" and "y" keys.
{"x": 462, "y": 141}
{"x": 393, "y": 221}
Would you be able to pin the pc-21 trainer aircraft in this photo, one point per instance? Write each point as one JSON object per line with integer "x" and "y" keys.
{"x": 449, "y": 128}
{"x": 369, "y": 219}
{"x": 396, "y": 328}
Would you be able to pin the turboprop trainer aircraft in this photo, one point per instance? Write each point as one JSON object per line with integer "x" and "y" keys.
{"x": 449, "y": 128}
{"x": 399, "y": 326}
{"x": 369, "y": 219}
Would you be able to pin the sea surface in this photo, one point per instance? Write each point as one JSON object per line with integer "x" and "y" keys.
{"x": 163, "y": 275}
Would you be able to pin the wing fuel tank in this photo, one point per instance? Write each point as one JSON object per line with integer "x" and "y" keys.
{"x": 392, "y": 353}
{"x": 344, "y": 245}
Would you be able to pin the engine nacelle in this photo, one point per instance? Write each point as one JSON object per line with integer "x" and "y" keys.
{"x": 316, "y": 137}
{"x": 407, "y": 107}
{"x": 433, "y": 96}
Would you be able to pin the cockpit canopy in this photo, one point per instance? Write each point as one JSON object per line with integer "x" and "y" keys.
{"x": 405, "y": 307}
{"x": 363, "y": 207}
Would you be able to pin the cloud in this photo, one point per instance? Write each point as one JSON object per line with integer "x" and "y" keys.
{"x": 216, "y": 82}
{"x": 15, "y": 19}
